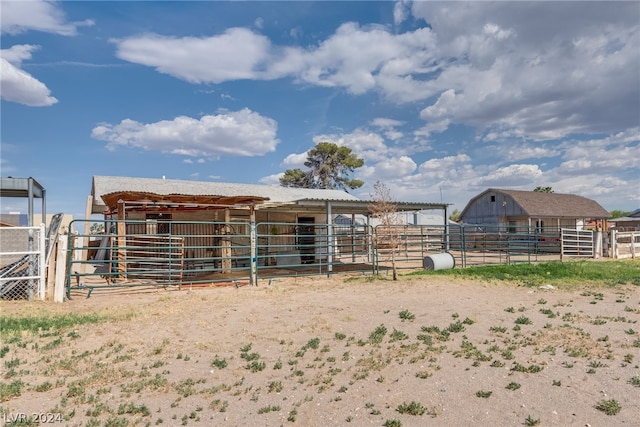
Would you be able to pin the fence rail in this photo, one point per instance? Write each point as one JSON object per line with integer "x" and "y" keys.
{"x": 144, "y": 253}
{"x": 577, "y": 243}
{"x": 625, "y": 244}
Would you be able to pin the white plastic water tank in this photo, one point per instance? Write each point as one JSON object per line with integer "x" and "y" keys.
{"x": 441, "y": 261}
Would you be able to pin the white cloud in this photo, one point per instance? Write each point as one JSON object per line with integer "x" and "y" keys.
{"x": 391, "y": 168}
{"x": 400, "y": 11}
{"x": 516, "y": 152}
{"x": 383, "y": 122}
{"x": 19, "y": 86}
{"x": 512, "y": 176}
{"x": 389, "y": 128}
{"x": 271, "y": 179}
{"x": 543, "y": 69}
{"x": 235, "y": 54}
{"x": 37, "y": 15}
{"x": 539, "y": 70}
{"x": 239, "y": 133}
{"x": 295, "y": 160}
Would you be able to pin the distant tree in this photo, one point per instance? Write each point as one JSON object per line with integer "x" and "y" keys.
{"x": 619, "y": 214}
{"x": 329, "y": 166}
{"x": 543, "y": 189}
{"x": 96, "y": 228}
{"x": 387, "y": 233}
{"x": 455, "y": 215}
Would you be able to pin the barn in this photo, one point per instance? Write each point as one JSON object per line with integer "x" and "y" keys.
{"x": 511, "y": 209}
{"x": 204, "y": 228}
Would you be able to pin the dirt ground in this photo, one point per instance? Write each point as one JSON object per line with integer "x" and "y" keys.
{"x": 334, "y": 352}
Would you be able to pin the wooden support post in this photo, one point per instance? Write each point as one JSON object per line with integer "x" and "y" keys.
{"x": 61, "y": 264}
{"x": 226, "y": 243}
{"x": 84, "y": 253}
{"x": 253, "y": 248}
{"x": 121, "y": 239}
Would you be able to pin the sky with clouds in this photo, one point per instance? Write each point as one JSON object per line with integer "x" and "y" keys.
{"x": 441, "y": 99}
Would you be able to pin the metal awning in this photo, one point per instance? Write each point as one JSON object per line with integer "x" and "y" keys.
{"x": 358, "y": 207}
{"x": 26, "y": 188}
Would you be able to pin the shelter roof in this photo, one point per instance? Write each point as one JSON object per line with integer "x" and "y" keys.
{"x": 19, "y": 187}
{"x": 107, "y": 190}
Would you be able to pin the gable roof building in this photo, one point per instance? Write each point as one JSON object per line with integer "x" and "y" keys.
{"x": 527, "y": 208}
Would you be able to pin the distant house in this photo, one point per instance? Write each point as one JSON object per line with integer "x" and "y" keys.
{"x": 516, "y": 208}
{"x": 628, "y": 223}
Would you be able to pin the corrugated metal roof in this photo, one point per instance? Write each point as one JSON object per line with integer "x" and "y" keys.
{"x": 103, "y": 185}
{"x": 269, "y": 197}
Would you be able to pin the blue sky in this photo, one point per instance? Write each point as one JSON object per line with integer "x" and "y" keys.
{"x": 442, "y": 99}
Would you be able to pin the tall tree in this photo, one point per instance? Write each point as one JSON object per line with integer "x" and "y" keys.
{"x": 329, "y": 166}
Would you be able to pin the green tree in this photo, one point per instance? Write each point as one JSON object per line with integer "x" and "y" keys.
{"x": 455, "y": 215}
{"x": 329, "y": 166}
{"x": 619, "y": 214}
{"x": 543, "y": 189}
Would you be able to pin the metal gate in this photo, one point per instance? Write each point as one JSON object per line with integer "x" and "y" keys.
{"x": 576, "y": 243}
{"x": 22, "y": 262}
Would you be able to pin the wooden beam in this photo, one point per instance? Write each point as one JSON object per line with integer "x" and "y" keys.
{"x": 121, "y": 238}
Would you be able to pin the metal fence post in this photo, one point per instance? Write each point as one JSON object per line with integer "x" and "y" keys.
{"x": 42, "y": 255}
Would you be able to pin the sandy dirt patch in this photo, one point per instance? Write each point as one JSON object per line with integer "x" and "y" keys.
{"x": 334, "y": 352}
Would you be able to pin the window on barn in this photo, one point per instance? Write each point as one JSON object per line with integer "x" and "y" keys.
{"x": 512, "y": 227}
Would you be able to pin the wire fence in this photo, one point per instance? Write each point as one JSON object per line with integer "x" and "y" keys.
{"x": 22, "y": 263}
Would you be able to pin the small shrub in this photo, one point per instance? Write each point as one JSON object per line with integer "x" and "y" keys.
{"x": 378, "y": 334}
{"x": 219, "y": 363}
{"x": 609, "y": 407}
{"x": 484, "y": 394}
{"x": 456, "y": 327}
{"x": 267, "y": 409}
{"x": 413, "y": 408}
{"x": 530, "y": 422}
{"x": 407, "y": 315}
{"x": 275, "y": 387}
{"x": 45, "y": 386}
{"x": 8, "y": 391}
{"x": 397, "y": 335}
{"x": 523, "y": 320}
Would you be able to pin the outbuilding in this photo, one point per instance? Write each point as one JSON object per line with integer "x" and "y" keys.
{"x": 512, "y": 209}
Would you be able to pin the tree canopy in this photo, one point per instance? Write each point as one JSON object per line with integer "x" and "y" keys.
{"x": 329, "y": 166}
{"x": 543, "y": 189}
{"x": 617, "y": 213}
